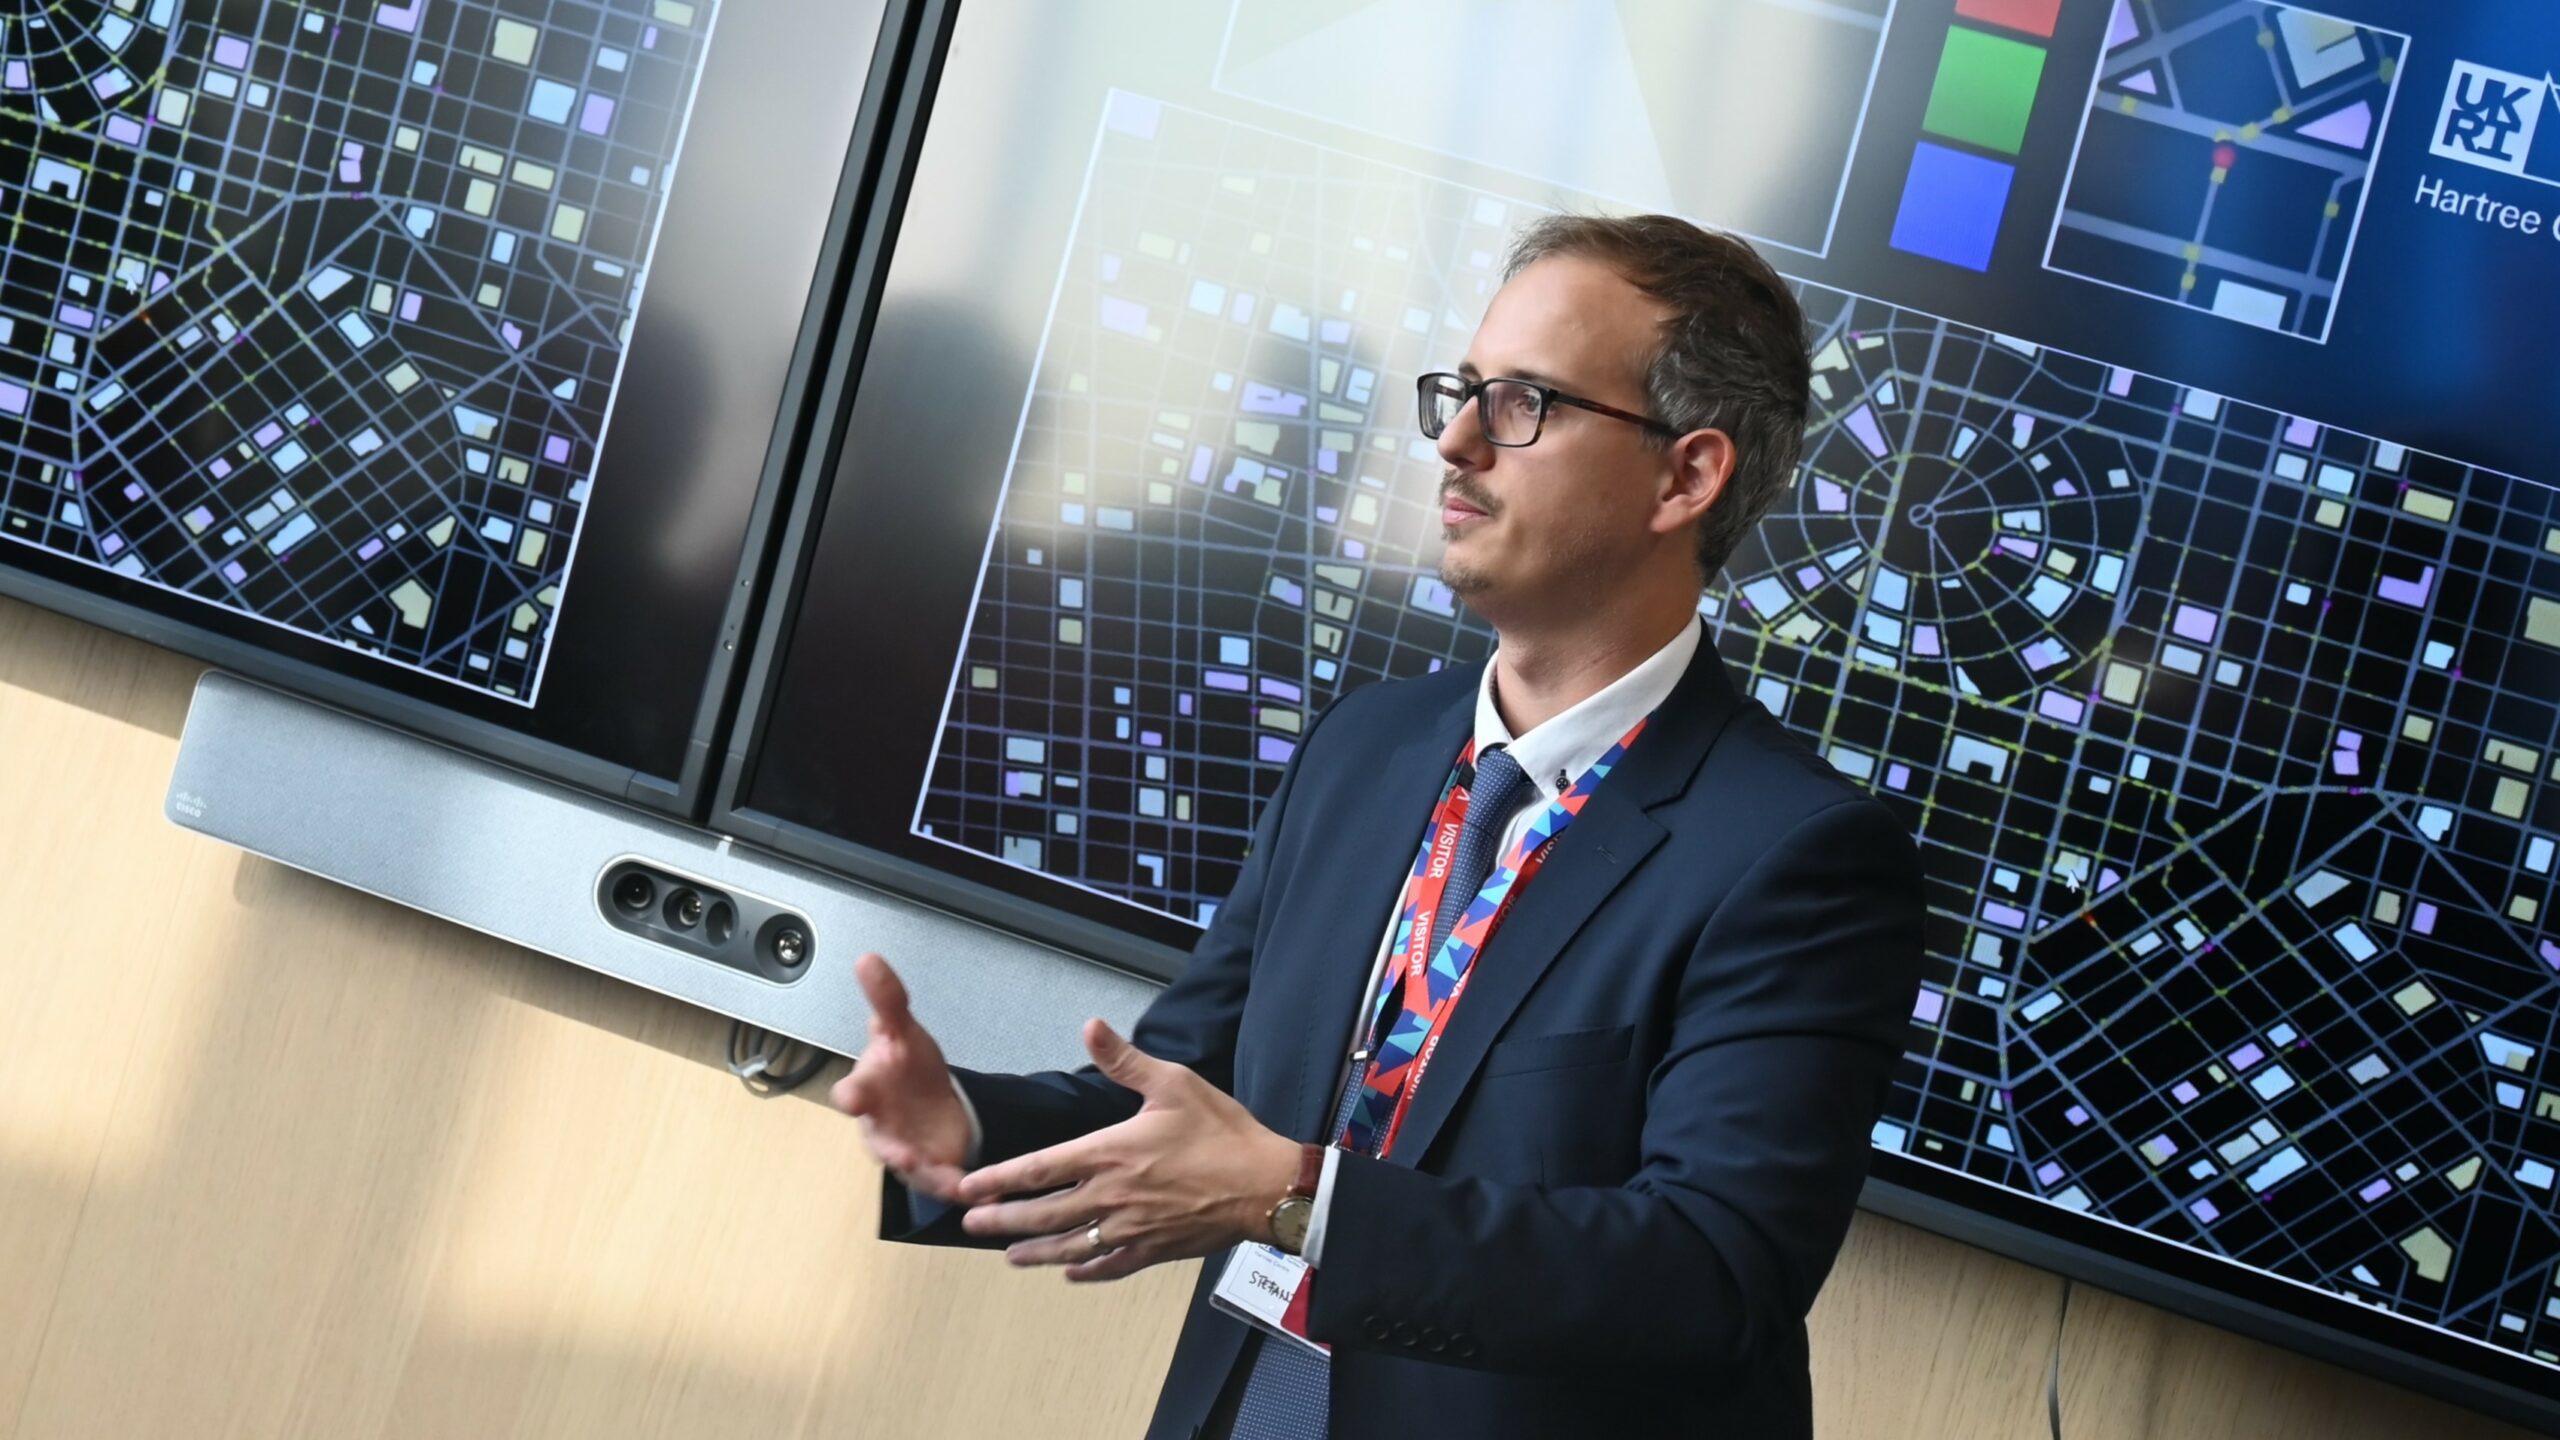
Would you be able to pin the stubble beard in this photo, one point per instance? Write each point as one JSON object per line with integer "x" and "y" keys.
{"x": 1582, "y": 562}
{"x": 1461, "y": 578}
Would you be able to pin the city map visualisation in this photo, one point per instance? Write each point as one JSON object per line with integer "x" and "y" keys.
{"x": 315, "y": 312}
{"x": 2222, "y": 163}
{"x": 2226, "y": 732}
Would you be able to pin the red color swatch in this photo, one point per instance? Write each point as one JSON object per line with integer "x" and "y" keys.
{"x": 2035, "y": 17}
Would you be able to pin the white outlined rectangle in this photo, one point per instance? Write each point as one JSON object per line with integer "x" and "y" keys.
{"x": 2240, "y": 309}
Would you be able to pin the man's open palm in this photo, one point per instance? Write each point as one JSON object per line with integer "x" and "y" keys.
{"x": 901, "y": 1090}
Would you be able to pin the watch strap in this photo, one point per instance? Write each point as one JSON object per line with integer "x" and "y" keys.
{"x": 1310, "y": 1170}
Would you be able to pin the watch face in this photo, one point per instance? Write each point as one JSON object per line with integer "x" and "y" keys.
{"x": 1289, "y": 1222}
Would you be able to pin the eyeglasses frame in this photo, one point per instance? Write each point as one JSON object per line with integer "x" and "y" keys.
{"x": 1548, "y": 398}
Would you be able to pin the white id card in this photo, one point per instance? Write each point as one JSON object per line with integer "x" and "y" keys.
{"x": 1258, "y": 1287}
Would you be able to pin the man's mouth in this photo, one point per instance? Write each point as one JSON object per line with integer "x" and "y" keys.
{"x": 1456, "y": 509}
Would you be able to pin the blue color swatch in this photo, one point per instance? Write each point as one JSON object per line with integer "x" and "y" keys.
{"x": 1951, "y": 206}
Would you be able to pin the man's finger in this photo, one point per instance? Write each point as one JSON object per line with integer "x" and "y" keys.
{"x": 896, "y": 1155}
{"x": 1047, "y": 1215}
{"x": 938, "y": 1180}
{"x": 1061, "y": 1164}
{"x": 1063, "y": 1249}
{"x": 1112, "y": 1264}
{"x": 858, "y": 1093}
{"x": 1125, "y": 1063}
{"x": 881, "y": 987}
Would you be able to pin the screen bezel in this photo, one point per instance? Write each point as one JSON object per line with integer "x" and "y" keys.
{"x": 2083, "y": 1248}
{"x": 685, "y": 794}
{"x": 866, "y": 280}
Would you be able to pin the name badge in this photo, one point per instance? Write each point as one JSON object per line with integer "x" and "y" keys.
{"x": 1261, "y": 1286}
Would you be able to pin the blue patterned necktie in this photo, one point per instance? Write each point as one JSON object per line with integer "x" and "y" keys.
{"x": 1285, "y": 1396}
{"x": 1491, "y": 798}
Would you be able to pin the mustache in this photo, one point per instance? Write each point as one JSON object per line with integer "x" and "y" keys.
{"x": 1464, "y": 487}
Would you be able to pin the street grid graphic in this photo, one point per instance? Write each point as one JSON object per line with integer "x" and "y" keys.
{"x": 2226, "y": 733}
{"x": 318, "y": 317}
{"x": 2223, "y": 156}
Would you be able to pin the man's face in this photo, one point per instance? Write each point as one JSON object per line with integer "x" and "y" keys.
{"x": 1531, "y": 528}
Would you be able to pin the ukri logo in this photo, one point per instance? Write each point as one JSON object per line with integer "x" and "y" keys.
{"x": 2489, "y": 117}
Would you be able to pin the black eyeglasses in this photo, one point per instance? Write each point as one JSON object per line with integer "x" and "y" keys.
{"x": 1512, "y": 412}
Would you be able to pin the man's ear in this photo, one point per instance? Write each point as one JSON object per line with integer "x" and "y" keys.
{"x": 1699, "y": 467}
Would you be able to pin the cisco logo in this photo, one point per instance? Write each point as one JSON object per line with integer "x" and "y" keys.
{"x": 187, "y": 803}
{"x": 2489, "y": 119}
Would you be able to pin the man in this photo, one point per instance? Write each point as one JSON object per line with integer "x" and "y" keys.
{"x": 1589, "y": 1182}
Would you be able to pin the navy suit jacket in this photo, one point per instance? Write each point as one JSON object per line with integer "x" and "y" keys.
{"x": 1642, "y": 1136}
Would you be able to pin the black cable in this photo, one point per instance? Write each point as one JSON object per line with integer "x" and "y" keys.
{"x": 756, "y": 1056}
{"x": 2053, "y": 1377}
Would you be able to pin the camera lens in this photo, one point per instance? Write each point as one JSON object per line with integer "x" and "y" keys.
{"x": 784, "y": 946}
{"x": 720, "y": 922}
{"x": 684, "y": 909}
{"x": 633, "y": 892}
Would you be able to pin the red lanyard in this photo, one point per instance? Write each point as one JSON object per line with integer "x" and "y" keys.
{"x": 1423, "y": 894}
{"x": 1428, "y": 982}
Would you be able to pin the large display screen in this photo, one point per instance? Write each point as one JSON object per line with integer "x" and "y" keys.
{"x": 433, "y": 345}
{"x": 2176, "y": 549}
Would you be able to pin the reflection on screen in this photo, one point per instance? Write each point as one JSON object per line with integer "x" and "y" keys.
{"x": 2208, "y": 715}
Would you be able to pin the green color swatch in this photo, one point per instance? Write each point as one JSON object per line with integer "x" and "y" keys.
{"x": 1986, "y": 85}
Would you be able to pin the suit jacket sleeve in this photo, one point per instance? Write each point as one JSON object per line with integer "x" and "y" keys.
{"x": 1791, "y": 1017}
{"x": 1191, "y": 1022}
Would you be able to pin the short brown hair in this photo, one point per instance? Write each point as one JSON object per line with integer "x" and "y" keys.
{"x": 1732, "y": 356}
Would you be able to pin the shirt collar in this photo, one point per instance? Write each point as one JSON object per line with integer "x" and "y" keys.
{"x": 1571, "y": 742}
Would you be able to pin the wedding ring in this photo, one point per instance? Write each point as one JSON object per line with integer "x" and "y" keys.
{"x": 1093, "y": 1237}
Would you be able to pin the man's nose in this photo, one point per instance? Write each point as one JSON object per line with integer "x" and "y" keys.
{"x": 1462, "y": 443}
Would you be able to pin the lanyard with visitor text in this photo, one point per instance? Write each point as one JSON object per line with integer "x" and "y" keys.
{"x": 1431, "y": 984}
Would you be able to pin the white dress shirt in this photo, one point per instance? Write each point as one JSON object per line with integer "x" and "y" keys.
{"x": 1553, "y": 755}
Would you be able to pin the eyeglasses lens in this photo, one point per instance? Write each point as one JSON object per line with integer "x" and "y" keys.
{"x": 1509, "y": 410}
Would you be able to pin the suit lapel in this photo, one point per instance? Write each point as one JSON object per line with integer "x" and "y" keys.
{"x": 1342, "y": 916}
{"x": 1596, "y": 853}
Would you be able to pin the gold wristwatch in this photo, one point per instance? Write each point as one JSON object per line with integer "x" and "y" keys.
{"x": 1289, "y": 1217}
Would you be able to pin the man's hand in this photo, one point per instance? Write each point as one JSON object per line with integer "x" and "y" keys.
{"x": 1192, "y": 1172}
{"x": 912, "y": 1119}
